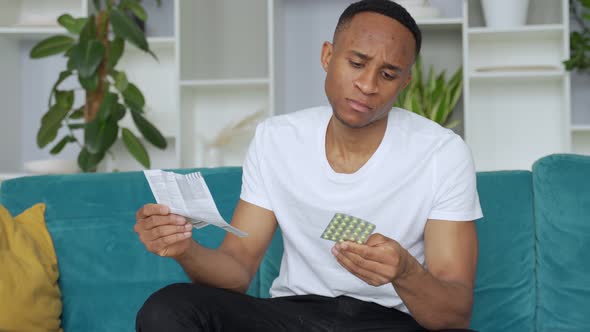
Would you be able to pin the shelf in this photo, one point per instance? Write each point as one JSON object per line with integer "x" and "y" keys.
{"x": 581, "y": 128}
{"x": 558, "y": 74}
{"x": 224, "y": 83}
{"x": 581, "y": 141}
{"x": 454, "y": 23}
{"x": 554, "y": 28}
{"x": 158, "y": 42}
{"x": 33, "y": 33}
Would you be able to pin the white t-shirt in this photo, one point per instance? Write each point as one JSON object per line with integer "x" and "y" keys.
{"x": 419, "y": 171}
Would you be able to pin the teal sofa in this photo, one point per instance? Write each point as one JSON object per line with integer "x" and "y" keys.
{"x": 533, "y": 272}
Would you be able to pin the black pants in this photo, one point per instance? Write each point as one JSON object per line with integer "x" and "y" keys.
{"x": 194, "y": 307}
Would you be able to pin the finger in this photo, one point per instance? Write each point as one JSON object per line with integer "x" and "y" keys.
{"x": 378, "y": 254}
{"x": 383, "y": 270}
{"x": 158, "y": 221}
{"x": 376, "y": 239}
{"x": 152, "y": 209}
{"x": 365, "y": 275}
{"x": 159, "y": 244}
{"x": 164, "y": 231}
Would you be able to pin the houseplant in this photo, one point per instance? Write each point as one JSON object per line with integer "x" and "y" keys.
{"x": 433, "y": 96}
{"x": 93, "y": 48}
{"x": 580, "y": 38}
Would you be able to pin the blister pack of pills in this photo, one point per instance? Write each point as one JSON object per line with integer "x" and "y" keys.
{"x": 344, "y": 227}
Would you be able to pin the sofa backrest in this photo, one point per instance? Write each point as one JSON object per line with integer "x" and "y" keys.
{"x": 105, "y": 272}
{"x": 505, "y": 287}
{"x": 562, "y": 216}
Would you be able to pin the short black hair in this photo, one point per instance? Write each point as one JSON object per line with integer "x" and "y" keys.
{"x": 386, "y": 8}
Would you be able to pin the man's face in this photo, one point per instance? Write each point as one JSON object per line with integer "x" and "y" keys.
{"x": 367, "y": 67}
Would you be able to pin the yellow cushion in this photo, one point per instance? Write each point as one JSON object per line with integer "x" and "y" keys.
{"x": 30, "y": 299}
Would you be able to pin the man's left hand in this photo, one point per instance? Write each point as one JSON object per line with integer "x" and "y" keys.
{"x": 377, "y": 262}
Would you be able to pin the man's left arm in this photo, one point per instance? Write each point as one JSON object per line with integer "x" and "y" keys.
{"x": 438, "y": 297}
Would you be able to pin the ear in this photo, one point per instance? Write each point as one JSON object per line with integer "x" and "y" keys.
{"x": 327, "y": 49}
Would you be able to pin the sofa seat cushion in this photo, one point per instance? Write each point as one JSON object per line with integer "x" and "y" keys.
{"x": 562, "y": 208}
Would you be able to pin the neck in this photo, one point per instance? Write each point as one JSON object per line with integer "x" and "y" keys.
{"x": 348, "y": 149}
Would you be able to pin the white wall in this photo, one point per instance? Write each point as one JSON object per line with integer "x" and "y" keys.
{"x": 9, "y": 110}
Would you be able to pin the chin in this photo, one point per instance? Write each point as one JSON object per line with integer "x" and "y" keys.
{"x": 352, "y": 119}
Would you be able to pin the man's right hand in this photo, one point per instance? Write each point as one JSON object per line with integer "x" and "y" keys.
{"x": 163, "y": 233}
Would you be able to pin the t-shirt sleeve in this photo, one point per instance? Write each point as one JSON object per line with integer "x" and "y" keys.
{"x": 253, "y": 187}
{"x": 455, "y": 188}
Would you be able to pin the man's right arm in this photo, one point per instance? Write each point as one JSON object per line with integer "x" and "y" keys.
{"x": 231, "y": 266}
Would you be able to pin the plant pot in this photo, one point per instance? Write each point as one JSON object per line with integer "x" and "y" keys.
{"x": 52, "y": 166}
{"x": 505, "y": 13}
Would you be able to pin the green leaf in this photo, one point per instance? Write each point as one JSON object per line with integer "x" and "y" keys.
{"x": 432, "y": 97}
{"x": 64, "y": 99}
{"x": 87, "y": 57}
{"x": 61, "y": 144}
{"x": 89, "y": 83}
{"x": 585, "y": 3}
{"x": 99, "y": 135}
{"x": 456, "y": 87}
{"x": 96, "y": 4}
{"x": 88, "y": 161}
{"x": 453, "y": 124}
{"x": 135, "y": 147}
{"x": 415, "y": 102}
{"x": 121, "y": 82}
{"x": 76, "y": 126}
{"x": 137, "y": 10}
{"x": 89, "y": 30}
{"x": 51, "y": 46}
{"x": 77, "y": 114}
{"x": 133, "y": 97}
{"x": 125, "y": 28}
{"x": 149, "y": 131}
{"x": 73, "y": 25}
{"x": 62, "y": 77}
{"x": 50, "y": 124}
{"x": 71, "y": 65}
{"x": 116, "y": 49}
{"x": 118, "y": 112}
{"x": 106, "y": 106}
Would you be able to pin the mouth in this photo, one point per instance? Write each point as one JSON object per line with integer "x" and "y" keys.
{"x": 358, "y": 106}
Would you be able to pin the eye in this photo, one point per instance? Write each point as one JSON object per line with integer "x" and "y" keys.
{"x": 355, "y": 64}
{"x": 388, "y": 76}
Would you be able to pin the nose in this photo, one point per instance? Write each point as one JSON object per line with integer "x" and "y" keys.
{"x": 367, "y": 82}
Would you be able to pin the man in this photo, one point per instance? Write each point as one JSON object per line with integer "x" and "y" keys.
{"x": 410, "y": 177}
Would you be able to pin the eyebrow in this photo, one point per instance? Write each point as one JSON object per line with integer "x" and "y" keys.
{"x": 365, "y": 57}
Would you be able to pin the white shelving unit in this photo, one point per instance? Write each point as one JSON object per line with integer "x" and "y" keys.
{"x": 222, "y": 60}
{"x": 516, "y": 90}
